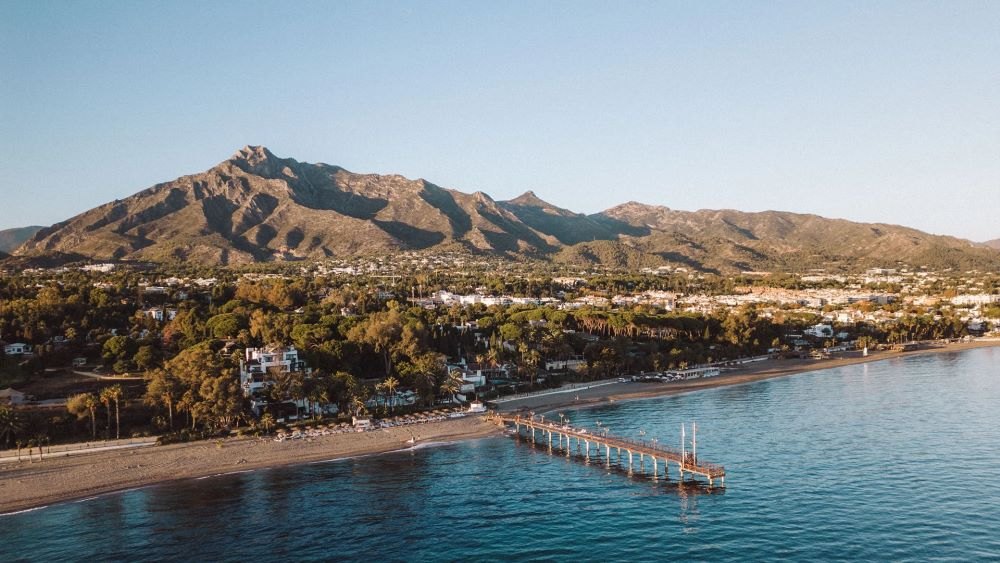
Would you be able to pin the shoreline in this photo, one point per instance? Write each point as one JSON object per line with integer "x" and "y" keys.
{"x": 85, "y": 476}
{"x": 750, "y": 373}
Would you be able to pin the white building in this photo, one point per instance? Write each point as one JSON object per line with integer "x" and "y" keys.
{"x": 160, "y": 314}
{"x": 17, "y": 349}
{"x": 575, "y": 363}
{"x": 259, "y": 367}
{"x": 975, "y": 299}
{"x": 820, "y": 331}
{"x": 103, "y": 268}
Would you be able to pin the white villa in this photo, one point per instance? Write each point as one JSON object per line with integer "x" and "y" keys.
{"x": 259, "y": 366}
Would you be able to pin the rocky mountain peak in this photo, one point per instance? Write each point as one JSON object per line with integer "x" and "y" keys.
{"x": 257, "y": 159}
{"x": 253, "y": 154}
{"x": 529, "y": 199}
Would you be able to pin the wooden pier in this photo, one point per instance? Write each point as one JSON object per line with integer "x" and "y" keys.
{"x": 636, "y": 450}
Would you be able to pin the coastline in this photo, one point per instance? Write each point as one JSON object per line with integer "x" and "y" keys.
{"x": 65, "y": 479}
{"x": 25, "y": 486}
{"x": 748, "y": 373}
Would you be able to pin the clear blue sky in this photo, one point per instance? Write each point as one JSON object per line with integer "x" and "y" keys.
{"x": 870, "y": 111}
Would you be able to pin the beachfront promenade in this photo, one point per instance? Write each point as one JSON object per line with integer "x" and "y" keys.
{"x": 693, "y": 372}
{"x": 567, "y": 388}
{"x": 77, "y": 448}
{"x": 687, "y": 461}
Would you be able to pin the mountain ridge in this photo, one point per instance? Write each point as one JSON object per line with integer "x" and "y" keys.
{"x": 258, "y": 207}
{"x": 10, "y": 239}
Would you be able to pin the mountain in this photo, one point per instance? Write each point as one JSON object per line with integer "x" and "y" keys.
{"x": 995, "y": 243}
{"x": 10, "y": 239}
{"x": 257, "y": 207}
{"x": 728, "y": 239}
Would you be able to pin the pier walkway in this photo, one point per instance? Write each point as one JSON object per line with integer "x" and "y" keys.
{"x": 687, "y": 461}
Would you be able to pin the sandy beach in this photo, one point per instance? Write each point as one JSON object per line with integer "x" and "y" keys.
{"x": 25, "y": 485}
{"x": 731, "y": 376}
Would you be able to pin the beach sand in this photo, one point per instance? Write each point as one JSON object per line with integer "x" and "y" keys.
{"x": 747, "y": 373}
{"x": 25, "y": 485}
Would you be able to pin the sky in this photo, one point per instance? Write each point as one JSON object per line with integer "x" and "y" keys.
{"x": 869, "y": 111}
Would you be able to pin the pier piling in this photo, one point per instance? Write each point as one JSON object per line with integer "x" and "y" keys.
{"x": 687, "y": 461}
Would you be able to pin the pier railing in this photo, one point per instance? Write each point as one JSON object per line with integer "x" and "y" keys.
{"x": 687, "y": 462}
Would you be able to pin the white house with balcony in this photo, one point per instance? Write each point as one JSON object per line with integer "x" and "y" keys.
{"x": 260, "y": 366}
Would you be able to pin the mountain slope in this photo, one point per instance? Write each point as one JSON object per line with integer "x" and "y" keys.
{"x": 562, "y": 225}
{"x": 256, "y": 206}
{"x": 995, "y": 243}
{"x": 10, "y": 239}
{"x": 728, "y": 239}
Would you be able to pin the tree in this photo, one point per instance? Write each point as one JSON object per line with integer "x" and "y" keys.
{"x": 10, "y": 424}
{"x": 118, "y": 351}
{"x": 390, "y": 384}
{"x": 163, "y": 389}
{"x": 116, "y": 394}
{"x": 146, "y": 358}
{"x": 83, "y": 404}
{"x": 493, "y": 356}
{"x": 106, "y": 400}
{"x": 288, "y": 385}
{"x": 40, "y": 440}
{"x": 221, "y": 401}
{"x": 345, "y": 390}
{"x": 452, "y": 384}
{"x": 267, "y": 422}
{"x": 226, "y": 325}
{"x": 380, "y": 331}
{"x": 423, "y": 373}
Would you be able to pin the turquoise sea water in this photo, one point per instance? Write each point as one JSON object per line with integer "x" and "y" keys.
{"x": 894, "y": 460}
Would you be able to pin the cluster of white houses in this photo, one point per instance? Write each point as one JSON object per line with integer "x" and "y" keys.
{"x": 260, "y": 369}
{"x": 448, "y": 298}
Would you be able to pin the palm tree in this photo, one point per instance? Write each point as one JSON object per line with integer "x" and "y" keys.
{"x": 453, "y": 384}
{"x": 10, "y": 424}
{"x": 493, "y": 356}
{"x": 358, "y": 405}
{"x": 116, "y": 393}
{"x": 267, "y": 422}
{"x": 106, "y": 400}
{"x": 390, "y": 384}
{"x": 39, "y": 440}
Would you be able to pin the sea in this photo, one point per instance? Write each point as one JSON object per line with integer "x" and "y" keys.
{"x": 896, "y": 460}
